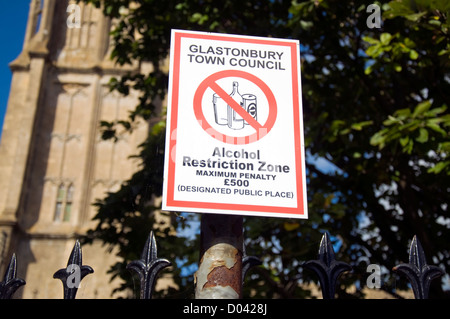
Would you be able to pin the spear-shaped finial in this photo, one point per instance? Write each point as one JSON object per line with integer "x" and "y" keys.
{"x": 148, "y": 267}
{"x": 327, "y": 267}
{"x": 72, "y": 275}
{"x": 10, "y": 283}
{"x": 419, "y": 273}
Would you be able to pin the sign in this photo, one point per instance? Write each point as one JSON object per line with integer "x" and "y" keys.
{"x": 234, "y": 139}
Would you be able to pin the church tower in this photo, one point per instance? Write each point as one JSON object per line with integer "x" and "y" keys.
{"x": 53, "y": 162}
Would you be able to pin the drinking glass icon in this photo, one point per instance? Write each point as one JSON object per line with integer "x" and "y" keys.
{"x": 220, "y": 110}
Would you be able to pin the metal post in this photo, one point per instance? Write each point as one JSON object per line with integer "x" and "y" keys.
{"x": 219, "y": 274}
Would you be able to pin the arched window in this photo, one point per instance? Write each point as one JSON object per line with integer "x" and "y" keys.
{"x": 64, "y": 201}
{"x": 59, "y": 202}
{"x": 68, "y": 206}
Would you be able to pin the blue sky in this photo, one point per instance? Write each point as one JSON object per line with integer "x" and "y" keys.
{"x": 13, "y": 20}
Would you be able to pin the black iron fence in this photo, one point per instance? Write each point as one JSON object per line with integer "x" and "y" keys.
{"x": 326, "y": 267}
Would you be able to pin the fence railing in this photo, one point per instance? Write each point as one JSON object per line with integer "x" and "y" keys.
{"x": 326, "y": 267}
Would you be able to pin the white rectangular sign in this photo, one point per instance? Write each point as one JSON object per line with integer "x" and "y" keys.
{"x": 234, "y": 141}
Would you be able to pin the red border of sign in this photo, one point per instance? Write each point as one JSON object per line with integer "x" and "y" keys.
{"x": 170, "y": 201}
{"x": 261, "y": 131}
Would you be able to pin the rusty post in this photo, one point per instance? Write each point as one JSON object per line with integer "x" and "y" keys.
{"x": 219, "y": 275}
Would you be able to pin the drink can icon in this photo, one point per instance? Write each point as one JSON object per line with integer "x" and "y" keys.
{"x": 249, "y": 101}
{"x": 220, "y": 110}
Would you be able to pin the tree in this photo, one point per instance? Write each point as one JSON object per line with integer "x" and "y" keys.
{"x": 375, "y": 110}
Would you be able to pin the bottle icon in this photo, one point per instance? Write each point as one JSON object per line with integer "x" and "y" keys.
{"x": 235, "y": 121}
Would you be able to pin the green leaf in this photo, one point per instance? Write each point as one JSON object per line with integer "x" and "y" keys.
{"x": 403, "y": 114}
{"x": 435, "y": 22}
{"x": 399, "y": 8}
{"x": 423, "y": 135}
{"x": 444, "y": 147}
{"x": 415, "y": 16}
{"x": 409, "y": 43}
{"x": 421, "y": 108}
{"x": 385, "y": 38}
{"x": 404, "y": 141}
{"x": 408, "y": 149}
{"x": 379, "y": 138}
{"x": 437, "y": 110}
{"x": 374, "y": 51}
{"x": 439, "y": 167}
{"x": 413, "y": 55}
{"x": 359, "y": 126}
{"x": 109, "y": 9}
{"x": 344, "y": 131}
{"x": 436, "y": 128}
{"x": 290, "y": 226}
{"x": 368, "y": 70}
{"x": 391, "y": 120}
{"x": 410, "y": 126}
{"x": 370, "y": 40}
{"x": 158, "y": 127}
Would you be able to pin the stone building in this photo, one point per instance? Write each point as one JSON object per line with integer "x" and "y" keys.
{"x": 53, "y": 162}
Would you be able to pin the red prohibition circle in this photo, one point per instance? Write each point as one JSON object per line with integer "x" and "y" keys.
{"x": 211, "y": 82}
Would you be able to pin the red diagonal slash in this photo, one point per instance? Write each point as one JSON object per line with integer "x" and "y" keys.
{"x": 235, "y": 106}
